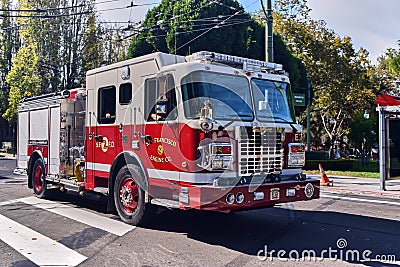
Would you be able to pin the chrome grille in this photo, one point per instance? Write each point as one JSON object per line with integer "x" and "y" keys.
{"x": 260, "y": 150}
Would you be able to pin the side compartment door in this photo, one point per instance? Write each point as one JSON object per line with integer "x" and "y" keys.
{"x": 39, "y": 132}
{"x": 23, "y": 138}
{"x": 54, "y": 140}
{"x": 90, "y": 144}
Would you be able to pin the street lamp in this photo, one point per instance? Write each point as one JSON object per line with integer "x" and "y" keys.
{"x": 366, "y": 114}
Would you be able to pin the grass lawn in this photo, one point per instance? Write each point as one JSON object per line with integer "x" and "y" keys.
{"x": 348, "y": 173}
{"x": 368, "y": 171}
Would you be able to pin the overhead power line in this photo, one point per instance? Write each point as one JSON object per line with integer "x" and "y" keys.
{"x": 40, "y": 10}
{"x": 45, "y": 16}
{"x": 213, "y": 27}
{"x": 110, "y": 1}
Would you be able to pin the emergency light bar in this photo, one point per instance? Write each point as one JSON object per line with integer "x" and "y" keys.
{"x": 247, "y": 63}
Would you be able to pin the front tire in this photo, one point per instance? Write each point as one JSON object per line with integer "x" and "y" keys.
{"x": 39, "y": 179}
{"x": 129, "y": 196}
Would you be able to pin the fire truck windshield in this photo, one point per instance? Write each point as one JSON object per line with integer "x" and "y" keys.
{"x": 229, "y": 95}
{"x": 270, "y": 98}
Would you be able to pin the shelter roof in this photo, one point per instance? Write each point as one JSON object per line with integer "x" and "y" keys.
{"x": 388, "y": 100}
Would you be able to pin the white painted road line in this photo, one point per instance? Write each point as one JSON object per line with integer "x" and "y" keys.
{"x": 80, "y": 215}
{"x": 36, "y": 247}
{"x": 9, "y": 202}
{"x": 361, "y": 199}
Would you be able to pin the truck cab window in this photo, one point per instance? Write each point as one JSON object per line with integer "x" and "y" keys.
{"x": 125, "y": 93}
{"x": 160, "y": 98}
{"x": 106, "y": 105}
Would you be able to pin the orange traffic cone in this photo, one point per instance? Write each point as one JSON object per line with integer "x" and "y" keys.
{"x": 324, "y": 179}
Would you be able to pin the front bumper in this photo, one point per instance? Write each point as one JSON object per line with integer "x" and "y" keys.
{"x": 255, "y": 195}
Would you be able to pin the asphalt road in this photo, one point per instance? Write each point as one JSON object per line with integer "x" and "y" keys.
{"x": 73, "y": 230}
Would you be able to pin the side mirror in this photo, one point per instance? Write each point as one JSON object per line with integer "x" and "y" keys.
{"x": 206, "y": 118}
{"x": 206, "y": 111}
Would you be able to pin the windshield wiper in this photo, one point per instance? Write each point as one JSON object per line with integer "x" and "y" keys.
{"x": 284, "y": 120}
{"x": 232, "y": 119}
{"x": 235, "y": 116}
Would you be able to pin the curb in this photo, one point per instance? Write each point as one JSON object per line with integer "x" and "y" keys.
{"x": 342, "y": 177}
{"x": 361, "y": 192}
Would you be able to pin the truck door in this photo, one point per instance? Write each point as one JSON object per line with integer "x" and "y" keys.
{"x": 102, "y": 134}
{"x": 107, "y": 130}
{"x": 125, "y": 116}
{"x": 162, "y": 127}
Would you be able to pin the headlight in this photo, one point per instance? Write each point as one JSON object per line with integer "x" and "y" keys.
{"x": 215, "y": 156}
{"x": 230, "y": 198}
{"x": 239, "y": 197}
{"x": 221, "y": 163}
{"x": 296, "y": 160}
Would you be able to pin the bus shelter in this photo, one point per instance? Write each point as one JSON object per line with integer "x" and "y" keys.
{"x": 389, "y": 136}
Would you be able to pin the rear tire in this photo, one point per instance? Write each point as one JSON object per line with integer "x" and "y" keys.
{"x": 39, "y": 179}
{"x": 129, "y": 196}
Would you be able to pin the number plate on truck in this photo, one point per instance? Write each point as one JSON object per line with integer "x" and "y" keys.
{"x": 274, "y": 194}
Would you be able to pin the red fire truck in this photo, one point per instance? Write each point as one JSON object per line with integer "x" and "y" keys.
{"x": 207, "y": 131}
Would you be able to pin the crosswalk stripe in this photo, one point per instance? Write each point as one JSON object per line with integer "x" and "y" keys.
{"x": 36, "y": 247}
{"x": 85, "y": 217}
{"x": 9, "y": 202}
{"x": 377, "y": 201}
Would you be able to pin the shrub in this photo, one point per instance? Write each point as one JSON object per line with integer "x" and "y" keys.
{"x": 331, "y": 165}
{"x": 316, "y": 155}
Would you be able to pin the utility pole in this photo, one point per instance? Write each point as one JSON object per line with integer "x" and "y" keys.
{"x": 384, "y": 163}
{"x": 269, "y": 37}
{"x": 308, "y": 112}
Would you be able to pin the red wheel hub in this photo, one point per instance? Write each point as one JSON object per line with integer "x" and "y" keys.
{"x": 129, "y": 195}
{"x": 37, "y": 178}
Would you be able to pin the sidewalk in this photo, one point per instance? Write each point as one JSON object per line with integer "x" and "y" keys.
{"x": 361, "y": 186}
{"x": 6, "y": 156}
{"x": 7, "y": 167}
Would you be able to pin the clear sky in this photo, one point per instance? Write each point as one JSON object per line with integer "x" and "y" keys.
{"x": 372, "y": 24}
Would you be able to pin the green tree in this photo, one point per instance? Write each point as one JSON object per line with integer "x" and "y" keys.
{"x": 92, "y": 50}
{"x": 23, "y": 79}
{"x": 42, "y": 34}
{"x": 388, "y": 69}
{"x": 74, "y": 29}
{"x": 6, "y": 50}
{"x": 294, "y": 66}
{"x": 384, "y": 77}
{"x": 195, "y": 25}
{"x": 341, "y": 77}
{"x": 363, "y": 134}
{"x": 393, "y": 60}
{"x": 7, "y": 47}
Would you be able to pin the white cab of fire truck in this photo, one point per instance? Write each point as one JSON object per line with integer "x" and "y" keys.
{"x": 208, "y": 131}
